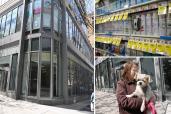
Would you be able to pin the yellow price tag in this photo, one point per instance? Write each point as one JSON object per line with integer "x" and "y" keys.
{"x": 170, "y": 7}
{"x": 168, "y": 49}
{"x": 160, "y": 47}
{"x": 152, "y": 47}
{"x": 162, "y": 10}
{"x": 125, "y": 17}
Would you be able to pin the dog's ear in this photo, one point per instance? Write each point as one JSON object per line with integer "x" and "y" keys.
{"x": 149, "y": 78}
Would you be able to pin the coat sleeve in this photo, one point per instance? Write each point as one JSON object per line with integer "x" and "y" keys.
{"x": 123, "y": 101}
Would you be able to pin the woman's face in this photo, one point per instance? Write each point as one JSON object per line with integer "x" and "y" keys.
{"x": 134, "y": 70}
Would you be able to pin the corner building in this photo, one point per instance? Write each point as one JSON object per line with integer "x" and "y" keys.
{"x": 45, "y": 56}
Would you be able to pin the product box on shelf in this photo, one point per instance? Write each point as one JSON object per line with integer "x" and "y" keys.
{"x": 148, "y": 24}
{"x": 169, "y": 24}
{"x": 162, "y": 25}
{"x": 139, "y": 1}
{"x": 143, "y": 27}
{"x": 155, "y": 24}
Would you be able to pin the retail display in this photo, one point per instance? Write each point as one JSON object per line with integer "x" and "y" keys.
{"x": 141, "y": 27}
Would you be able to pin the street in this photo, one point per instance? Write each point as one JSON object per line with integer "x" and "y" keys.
{"x": 106, "y": 103}
{"x": 11, "y": 106}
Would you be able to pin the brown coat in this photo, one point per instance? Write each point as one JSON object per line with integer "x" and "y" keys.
{"x": 127, "y": 105}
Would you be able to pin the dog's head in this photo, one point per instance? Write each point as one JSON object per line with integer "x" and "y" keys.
{"x": 143, "y": 79}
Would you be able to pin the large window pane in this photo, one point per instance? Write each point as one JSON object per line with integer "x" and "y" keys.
{"x": 13, "y": 72}
{"x": 35, "y": 44}
{"x": 36, "y": 14}
{"x": 47, "y": 13}
{"x": 46, "y": 44}
{"x": 25, "y": 74}
{"x": 32, "y": 87}
{"x": 56, "y": 21}
{"x": 29, "y": 15}
{"x": 0, "y": 26}
{"x": 45, "y": 75}
{"x": 145, "y": 69}
{"x": 8, "y": 22}
{"x": 13, "y": 21}
{"x": 19, "y": 18}
{"x": 3, "y": 26}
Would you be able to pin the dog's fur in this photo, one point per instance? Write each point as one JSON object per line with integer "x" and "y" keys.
{"x": 143, "y": 89}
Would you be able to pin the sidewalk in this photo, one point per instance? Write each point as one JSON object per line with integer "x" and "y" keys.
{"x": 11, "y": 106}
{"x": 106, "y": 103}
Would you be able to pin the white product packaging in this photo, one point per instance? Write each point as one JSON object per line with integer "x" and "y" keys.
{"x": 148, "y": 24}
{"x": 162, "y": 25}
{"x": 155, "y": 24}
{"x": 143, "y": 28}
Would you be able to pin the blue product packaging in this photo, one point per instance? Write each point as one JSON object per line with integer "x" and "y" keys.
{"x": 139, "y": 1}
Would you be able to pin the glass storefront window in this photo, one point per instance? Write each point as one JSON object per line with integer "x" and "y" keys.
{"x": 19, "y": 18}
{"x": 25, "y": 73}
{"x": 36, "y": 14}
{"x": 13, "y": 72}
{"x": 13, "y": 21}
{"x": 29, "y": 15}
{"x": 8, "y": 21}
{"x": 45, "y": 75}
{"x": 145, "y": 69}
{"x": 46, "y": 44}
{"x": 32, "y": 87}
{"x": 35, "y": 44}
{"x": 47, "y": 14}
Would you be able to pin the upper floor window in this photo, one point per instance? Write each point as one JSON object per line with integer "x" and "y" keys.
{"x": 29, "y": 15}
{"x": 36, "y": 14}
{"x": 2, "y": 26}
{"x": 8, "y": 21}
{"x": 19, "y": 18}
{"x": 47, "y": 13}
{"x": 13, "y": 21}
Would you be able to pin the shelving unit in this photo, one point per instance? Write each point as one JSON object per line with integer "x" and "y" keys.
{"x": 144, "y": 29}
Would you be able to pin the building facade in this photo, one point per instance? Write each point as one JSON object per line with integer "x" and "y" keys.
{"x": 109, "y": 71}
{"x": 45, "y": 56}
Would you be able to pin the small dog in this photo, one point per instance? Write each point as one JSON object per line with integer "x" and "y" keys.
{"x": 143, "y": 89}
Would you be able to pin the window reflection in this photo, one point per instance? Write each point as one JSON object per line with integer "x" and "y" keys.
{"x": 47, "y": 14}
{"x": 19, "y": 18}
{"x": 13, "y": 21}
{"x": 45, "y": 75}
{"x": 36, "y": 14}
{"x": 32, "y": 87}
{"x": 79, "y": 79}
{"x": 3, "y": 26}
{"x": 13, "y": 72}
{"x": 35, "y": 44}
{"x": 29, "y": 15}
{"x": 46, "y": 44}
{"x": 25, "y": 73}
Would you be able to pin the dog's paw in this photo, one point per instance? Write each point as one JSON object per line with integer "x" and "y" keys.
{"x": 128, "y": 96}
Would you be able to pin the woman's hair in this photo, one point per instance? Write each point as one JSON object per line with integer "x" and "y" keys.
{"x": 127, "y": 70}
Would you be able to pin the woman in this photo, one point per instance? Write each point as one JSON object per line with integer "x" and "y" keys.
{"x": 126, "y": 86}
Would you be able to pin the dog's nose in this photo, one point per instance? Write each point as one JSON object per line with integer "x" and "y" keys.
{"x": 140, "y": 83}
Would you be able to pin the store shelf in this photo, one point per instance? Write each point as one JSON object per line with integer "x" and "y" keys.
{"x": 131, "y": 7}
